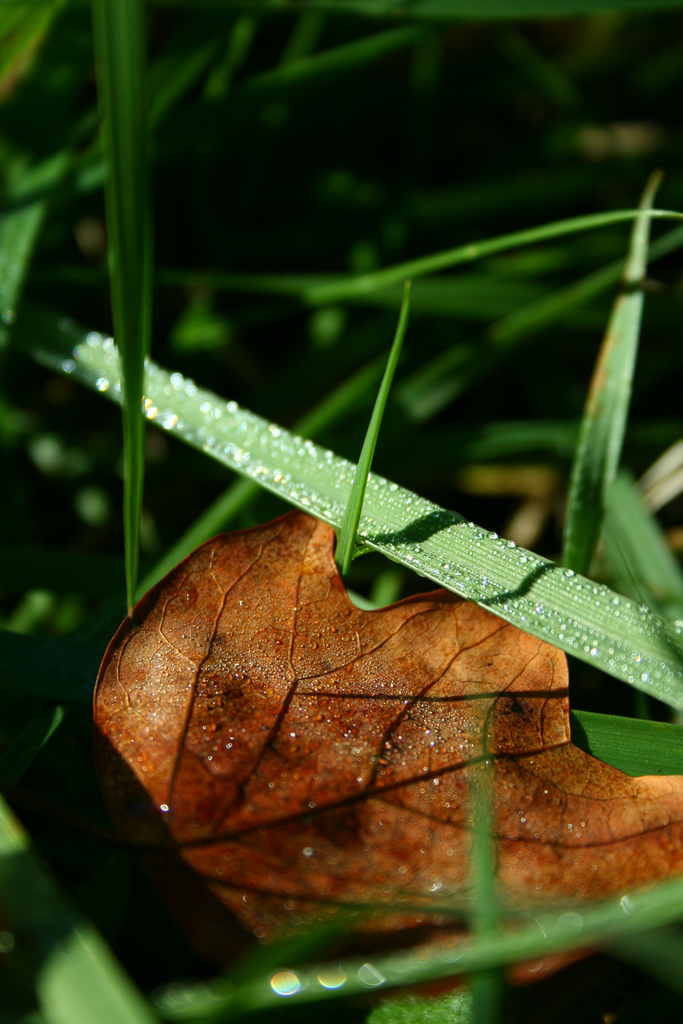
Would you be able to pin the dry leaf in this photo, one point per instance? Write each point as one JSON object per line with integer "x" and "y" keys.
{"x": 298, "y": 754}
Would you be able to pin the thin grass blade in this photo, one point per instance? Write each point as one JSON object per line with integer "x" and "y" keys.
{"x": 240, "y": 41}
{"x": 487, "y": 987}
{"x": 546, "y": 933}
{"x": 317, "y": 67}
{"x": 439, "y": 381}
{"x": 119, "y": 36}
{"x": 349, "y": 527}
{"x": 362, "y": 284}
{"x": 604, "y": 418}
{"x": 314, "y": 290}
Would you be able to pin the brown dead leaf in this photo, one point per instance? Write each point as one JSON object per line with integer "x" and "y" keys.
{"x": 296, "y": 753}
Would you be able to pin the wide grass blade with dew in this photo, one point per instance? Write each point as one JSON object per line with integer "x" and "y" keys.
{"x": 583, "y": 618}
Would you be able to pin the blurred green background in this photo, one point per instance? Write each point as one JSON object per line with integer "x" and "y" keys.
{"x": 303, "y": 143}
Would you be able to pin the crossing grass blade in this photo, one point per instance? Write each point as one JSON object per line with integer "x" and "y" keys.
{"x": 119, "y": 36}
{"x": 349, "y": 527}
{"x": 487, "y": 987}
{"x": 603, "y": 423}
{"x": 601, "y": 925}
{"x": 441, "y": 380}
{"x": 362, "y": 284}
{"x": 314, "y": 290}
{"x": 660, "y": 953}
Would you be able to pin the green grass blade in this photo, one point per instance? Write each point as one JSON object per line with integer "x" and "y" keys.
{"x": 240, "y": 41}
{"x": 455, "y": 1008}
{"x": 632, "y": 745}
{"x": 642, "y": 562}
{"x": 543, "y": 74}
{"x": 24, "y": 747}
{"x": 660, "y": 953}
{"x": 304, "y": 37}
{"x": 581, "y": 617}
{"x": 319, "y": 67}
{"x": 547, "y": 309}
{"x": 349, "y": 527}
{"x": 175, "y": 73}
{"x": 487, "y": 987}
{"x": 25, "y": 204}
{"x": 239, "y": 495}
{"x": 663, "y": 480}
{"x": 119, "y": 34}
{"x": 314, "y": 290}
{"x": 362, "y": 284}
{"x": 548, "y": 932}
{"x": 77, "y": 980}
{"x": 440, "y": 380}
{"x": 604, "y": 419}
{"x": 22, "y": 27}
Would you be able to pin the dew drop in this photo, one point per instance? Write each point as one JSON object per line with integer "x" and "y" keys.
{"x": 285, "y": 983}
{"x": 571, "y": 920}
{"x": 369, "y": 976}
{"x": 331, "y": 977}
